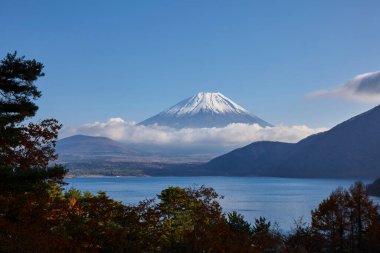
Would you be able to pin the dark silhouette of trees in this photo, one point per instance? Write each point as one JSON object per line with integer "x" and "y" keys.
{"x": 265, "y": 238}
{"x": 25, "y": 151}
{"x": 17, "y": 88}
{"x": 17, "y": 92}
{"x": 348, "y": 221}
{"x": 303, "y": 239}
{"x": 23, "y": 147}
{"x": 238, "y": 223}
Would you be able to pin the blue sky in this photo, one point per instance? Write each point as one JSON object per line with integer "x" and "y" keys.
{"x": 132, "y": 59}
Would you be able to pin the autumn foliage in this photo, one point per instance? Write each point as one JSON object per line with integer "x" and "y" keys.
{"x": 37, "y": 215}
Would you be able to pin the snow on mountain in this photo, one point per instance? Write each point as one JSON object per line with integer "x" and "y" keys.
{"x": 205, "y": 109}
{"x": 206, "y": 101}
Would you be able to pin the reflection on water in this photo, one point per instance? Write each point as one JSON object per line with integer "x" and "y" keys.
{"x": 279, "y": 199}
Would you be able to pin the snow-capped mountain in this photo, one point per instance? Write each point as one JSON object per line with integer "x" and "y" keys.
{"x": 205, "y": 109}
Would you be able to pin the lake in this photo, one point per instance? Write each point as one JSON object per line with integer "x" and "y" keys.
{"x": 280, "y": 200}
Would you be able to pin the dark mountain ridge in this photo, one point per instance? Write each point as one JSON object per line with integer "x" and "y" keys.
{"x": 374, "y": 188}
{"x": 349, "y": 150}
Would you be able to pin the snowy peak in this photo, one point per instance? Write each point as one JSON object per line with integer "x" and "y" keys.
{"x": 214, "y": 102}
{"x": 204, "y": 110}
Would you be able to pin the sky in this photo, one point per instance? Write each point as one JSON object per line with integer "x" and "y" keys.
{"x": 291, "y": 63}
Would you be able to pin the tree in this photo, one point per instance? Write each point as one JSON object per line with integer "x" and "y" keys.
{"x": 17, "y": 88}
{"x": 21, "y": 146}
{"x": 17, "y": 92}
{"x": 266, "y": 239}
{"x": 363, "y": 219}
{"x": 348, "y": 221}
{"x": 302, "y": 239}
{"x": 238, "y": 223}
{"x": 193, "y": 221}
{"x": 26, "y": 180}
{"x": 25, "y": 150}
{"x": 176, "y": 208}
{"x": 330, "y": 220}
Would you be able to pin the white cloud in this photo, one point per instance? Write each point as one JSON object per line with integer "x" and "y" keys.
{"x": 364, "y": 88}
{"x": 233, "y": 135}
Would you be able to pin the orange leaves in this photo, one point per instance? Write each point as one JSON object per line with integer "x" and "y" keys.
{"x": 346, "y": 218}
{"x": 72, "y": 203}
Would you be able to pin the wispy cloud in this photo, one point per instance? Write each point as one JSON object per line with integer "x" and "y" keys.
{"x": 364, "y": 88}
{"x": 233, "y": 135}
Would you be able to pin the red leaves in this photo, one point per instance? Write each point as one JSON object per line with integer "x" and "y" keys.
{"x": 35, "y": 146}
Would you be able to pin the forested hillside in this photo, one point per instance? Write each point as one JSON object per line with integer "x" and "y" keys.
{"x": 348, "y": 150}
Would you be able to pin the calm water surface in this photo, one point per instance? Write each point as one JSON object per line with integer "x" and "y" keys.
{"x": 280, "y": 200}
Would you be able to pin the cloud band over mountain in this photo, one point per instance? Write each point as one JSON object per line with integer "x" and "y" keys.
{"x": 364, "y": 88}
{"x": 233, "y": 135}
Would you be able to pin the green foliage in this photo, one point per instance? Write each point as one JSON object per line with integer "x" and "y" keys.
{"x": 176, "y": 207}
{"x": 261, "y": 226}
{"x": 238, "y": 223}
{"x": 23, "y": 147}
{"x": 17, "y": 89}
{"x": 73, "y": 193}
{"x": 17, "y": 92}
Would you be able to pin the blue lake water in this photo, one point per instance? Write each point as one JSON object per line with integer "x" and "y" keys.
{"x": 280, "y": 200}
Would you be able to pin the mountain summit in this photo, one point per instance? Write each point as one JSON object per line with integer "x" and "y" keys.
{"x": 205, "y": 109}
{"x": 213, "y": 102}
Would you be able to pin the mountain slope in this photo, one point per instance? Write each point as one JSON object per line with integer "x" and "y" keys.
{"x": 260, "y": 156}
{"x": 91, "y": 148}
{"x": 374, "y": 188}
{"x": 204, "y": 109}
{"x": 349, "y": 150}
{"x": 82, "y": 146}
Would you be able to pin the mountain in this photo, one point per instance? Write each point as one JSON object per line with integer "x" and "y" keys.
{"x": 349, "y": 150}
{"x": 82, "y": 146}
{"x": 256, "y": 159}
{"x": 374, "y": 188}
{"x": 205, "y": 109}
{"x": 90, "y": 155}
{"x": 87, "y": 149}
